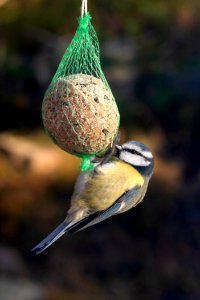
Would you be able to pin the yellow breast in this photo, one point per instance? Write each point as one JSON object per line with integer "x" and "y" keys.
{"x": 108, "y": 183}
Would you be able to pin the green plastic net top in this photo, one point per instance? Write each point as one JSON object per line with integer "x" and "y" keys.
{"x": 79, "y": 111}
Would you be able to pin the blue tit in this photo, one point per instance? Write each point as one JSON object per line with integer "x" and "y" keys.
{"x": 108, "y": 189}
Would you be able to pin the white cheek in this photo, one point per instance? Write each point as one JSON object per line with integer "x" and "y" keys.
{"x": 147, "y": 154}
{"x": 134, "y": 159}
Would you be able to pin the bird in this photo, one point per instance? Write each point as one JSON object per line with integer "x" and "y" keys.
{"x": 113, "y": 186}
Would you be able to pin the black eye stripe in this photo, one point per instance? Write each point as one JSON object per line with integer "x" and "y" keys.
{"x": 133, "y": 151}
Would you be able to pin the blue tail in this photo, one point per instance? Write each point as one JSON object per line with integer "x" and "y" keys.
{"x": 90, "y": 220}
{"x": 63, "y": 228}
{"x": 51, "y": 238}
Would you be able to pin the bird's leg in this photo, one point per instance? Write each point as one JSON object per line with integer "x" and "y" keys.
{"x": 109, "y": 153}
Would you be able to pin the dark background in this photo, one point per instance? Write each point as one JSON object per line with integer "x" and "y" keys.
{"x": 150, "y": 51}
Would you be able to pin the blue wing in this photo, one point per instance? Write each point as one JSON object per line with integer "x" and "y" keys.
{"x": 98, "y": 217}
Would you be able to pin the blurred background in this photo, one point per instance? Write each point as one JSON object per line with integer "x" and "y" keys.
{"x": 150, "y": 51}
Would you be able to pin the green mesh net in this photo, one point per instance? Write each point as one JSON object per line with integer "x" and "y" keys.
{"x": 79, "y": 111}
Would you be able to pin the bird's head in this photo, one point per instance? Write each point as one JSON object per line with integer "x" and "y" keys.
{"x": 136, "y": 154}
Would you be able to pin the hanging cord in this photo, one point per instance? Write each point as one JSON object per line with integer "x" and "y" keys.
{"x": 83, "y": 8}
